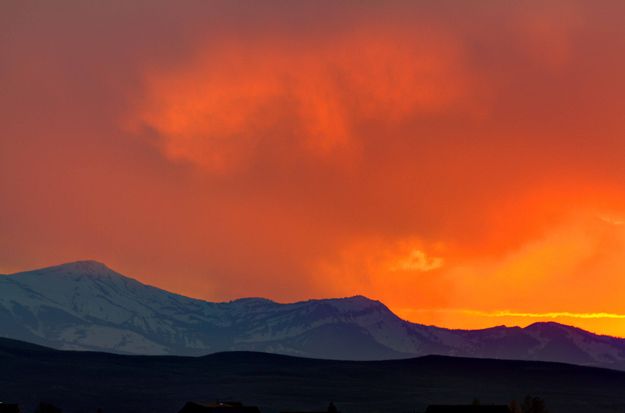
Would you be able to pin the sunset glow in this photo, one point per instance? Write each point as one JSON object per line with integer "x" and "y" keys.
{"x": 463, "y": 165}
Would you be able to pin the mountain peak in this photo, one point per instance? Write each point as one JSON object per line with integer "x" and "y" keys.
{"x": 363, "y": 300}
{"x": 83, "y": 268}
{"x": 252, "y": 301}
{"x": 359, "y": 298}
{"x": 356, "y": 303}
{"x": 87, "y": 266}
{"x": 543, "y": 327}
{"x": 546, "y": 324}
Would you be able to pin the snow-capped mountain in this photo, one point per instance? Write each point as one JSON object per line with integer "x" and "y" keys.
{"x": 87, "y": 306}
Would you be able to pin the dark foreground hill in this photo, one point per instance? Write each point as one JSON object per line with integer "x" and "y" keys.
{"x": 84, "y": 381}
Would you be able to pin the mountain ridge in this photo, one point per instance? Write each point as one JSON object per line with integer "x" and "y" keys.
{"x": 85, "y": 305}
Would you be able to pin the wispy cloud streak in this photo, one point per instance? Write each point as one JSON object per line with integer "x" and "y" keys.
{"x": 518, "y": 314}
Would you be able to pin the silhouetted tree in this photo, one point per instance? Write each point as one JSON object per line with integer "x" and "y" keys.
{"x": 533, "y": 405}
{"x": 514, "y": 407}
{"x": 476, "y": 402}
{"x": 332, "y": 408}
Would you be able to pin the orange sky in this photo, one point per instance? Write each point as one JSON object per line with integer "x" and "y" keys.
{"x": 462, "y": 162}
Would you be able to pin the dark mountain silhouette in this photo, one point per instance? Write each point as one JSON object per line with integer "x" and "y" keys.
{"x": 84, "y": 381}
{"x": 87, "y": 306}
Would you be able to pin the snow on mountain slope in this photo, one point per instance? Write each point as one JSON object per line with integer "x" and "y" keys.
{"x": 87, "y": 306}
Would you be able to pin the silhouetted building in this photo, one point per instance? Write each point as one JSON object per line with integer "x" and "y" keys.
{"x": 218, "y": 407}
{"x": 467, "y": 408}
{"x": 9, "y": 408}
{"x": 331, "y": 409}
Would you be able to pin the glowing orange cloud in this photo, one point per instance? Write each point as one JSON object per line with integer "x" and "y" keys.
{"x": 462, "y": 164}
{"x": 216, "y": 109}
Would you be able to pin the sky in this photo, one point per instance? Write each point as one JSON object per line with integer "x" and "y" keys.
{"x": 462, "y": 162}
